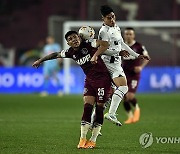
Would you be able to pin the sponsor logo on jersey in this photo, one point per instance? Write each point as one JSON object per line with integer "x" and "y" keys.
{"x": 84, "y": 51}
{"x": 83, "y": 60}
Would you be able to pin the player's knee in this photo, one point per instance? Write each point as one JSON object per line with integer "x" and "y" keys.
{"x": 123, "y": 89}
{"x": 100, "y": 104}
{"x": 89, "y": 100}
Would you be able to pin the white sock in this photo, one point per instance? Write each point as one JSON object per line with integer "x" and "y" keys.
{"x": 84, "y": 130}
{"x": 95, "y": 133}
{"x": 116, "y": 99}
{"x": 137, "y": 107}
{"x": 130, "y": 114}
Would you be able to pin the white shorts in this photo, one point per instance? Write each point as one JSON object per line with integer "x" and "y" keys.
{"x": 115, "y": 69}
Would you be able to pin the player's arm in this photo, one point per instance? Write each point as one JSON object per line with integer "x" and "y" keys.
{"x": 103, "y": 35}
{"x": 51, "y": 56}
{"x": 102, "y": 47}
{"x": 131, "y": 52}
{"x": 144, "y": 62}
{"x": 128, "y": 49}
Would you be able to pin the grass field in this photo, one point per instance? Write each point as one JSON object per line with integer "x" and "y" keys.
{"x": 32, "y": 124}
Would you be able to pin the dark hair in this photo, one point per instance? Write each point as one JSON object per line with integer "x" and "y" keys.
{"x": 129, "y": 28}
{"x": 105, "y": 10}
{"x": 69, "y": 33}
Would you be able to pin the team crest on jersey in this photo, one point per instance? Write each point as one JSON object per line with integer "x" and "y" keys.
{"x": 84, "y": 51}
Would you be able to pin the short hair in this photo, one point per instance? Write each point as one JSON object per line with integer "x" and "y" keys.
{"x": 105, "y": 10}
{"x": 129, "y": 28}
{"x": 69, "y": 33}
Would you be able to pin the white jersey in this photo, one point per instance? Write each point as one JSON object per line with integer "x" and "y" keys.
{"x": 113, "y": 36}
{"x": 116, "y": 43}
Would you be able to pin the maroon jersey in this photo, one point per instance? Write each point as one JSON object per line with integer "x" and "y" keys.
{"x": 128, "y": 65}
{"x": 83, "y": 56}
{"x": 98, "y": 80}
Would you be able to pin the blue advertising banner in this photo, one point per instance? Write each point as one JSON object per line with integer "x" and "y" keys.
{"x": 160, "y": 79}
{"x": 30, "y": 80}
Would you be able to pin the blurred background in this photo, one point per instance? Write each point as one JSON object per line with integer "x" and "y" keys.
{"x": 25, "y": 24}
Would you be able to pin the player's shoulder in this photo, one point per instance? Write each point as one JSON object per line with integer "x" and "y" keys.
{"x": 68, "y": 52}
{"x": 137, "y": 43}
{"x": 140, "y": 47}
{"x": 104, "y": 29}
{"x": 117, "y": 27}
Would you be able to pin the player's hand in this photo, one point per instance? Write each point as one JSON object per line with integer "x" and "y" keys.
{"x": 36, "y": 64}
{"x": 124, "y": 53}
{"x": 144, "y": 57}
{"x": 94, "y": 59}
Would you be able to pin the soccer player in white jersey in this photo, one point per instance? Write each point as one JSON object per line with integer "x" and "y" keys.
{"x": 111, "y": 32}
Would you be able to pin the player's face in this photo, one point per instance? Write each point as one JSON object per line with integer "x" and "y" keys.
{"x": 110, "y": 19}
{"x": 74, "y": 40}
{"x": 129, "y": 36}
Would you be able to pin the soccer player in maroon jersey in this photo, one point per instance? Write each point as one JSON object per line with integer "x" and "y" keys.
{"x": 97, "y": 82}
{"x": 132, "y": 68}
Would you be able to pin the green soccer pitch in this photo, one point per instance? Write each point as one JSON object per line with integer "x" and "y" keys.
{"x": 34, "y": 125}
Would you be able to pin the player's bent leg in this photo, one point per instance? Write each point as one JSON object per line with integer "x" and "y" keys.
{"x": 118, "y": 95}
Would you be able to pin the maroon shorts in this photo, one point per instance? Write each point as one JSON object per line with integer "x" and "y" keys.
{"x": 133, "y": 82}
{"x": 98, "y": 88}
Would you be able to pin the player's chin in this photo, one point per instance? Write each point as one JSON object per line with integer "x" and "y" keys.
{"x": 76, "y": 45}
{"x": 112, "y": 24}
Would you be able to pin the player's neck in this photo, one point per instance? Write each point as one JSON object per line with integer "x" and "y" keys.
{"x": 76, "y": 48}
{"x": 131, "y": 43}
{"x": 109, "y": 25}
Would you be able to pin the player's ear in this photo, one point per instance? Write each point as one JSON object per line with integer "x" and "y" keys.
{"x": 102, "y": 17}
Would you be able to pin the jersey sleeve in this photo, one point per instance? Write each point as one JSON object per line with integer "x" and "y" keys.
{"x": 64, "y": 54}
{"x": 103, "y": 35}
